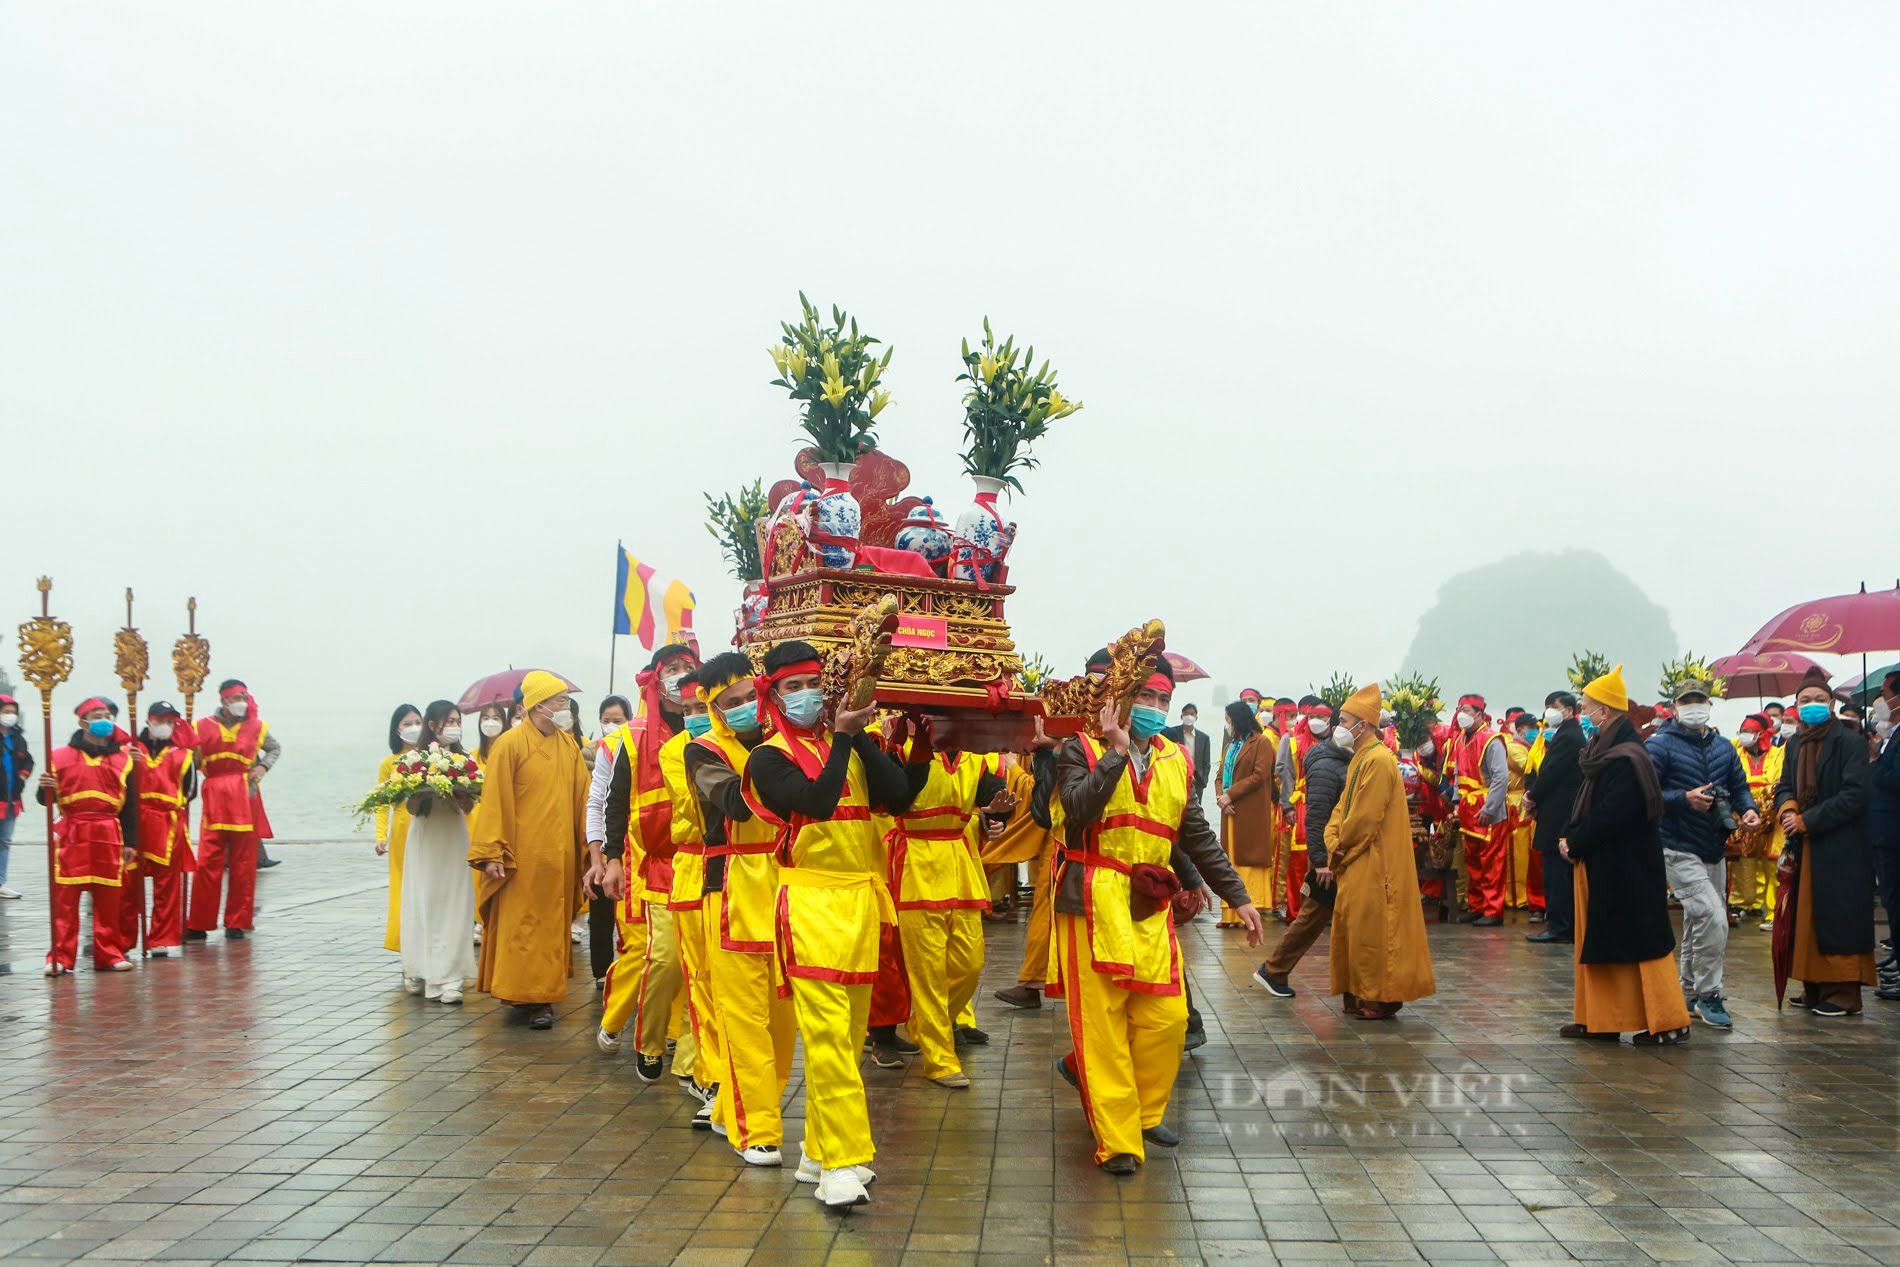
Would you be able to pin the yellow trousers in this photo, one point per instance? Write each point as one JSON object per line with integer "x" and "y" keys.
{"x": 1259, "y": 882}
{"x": 1518, "y": 895}
{"x": 832, "y": 1018}
{"x": 644, "y": 982}
{"x": 709, "y": 1051}
{"x": 392, "y": 939}
{"x": 1127, "y": 1045}
{"x": 1036, "y": 938}
{"x": 1752, "y": 884}
{"x": 943, "y": 956}
{"x": 756, "y": 1036}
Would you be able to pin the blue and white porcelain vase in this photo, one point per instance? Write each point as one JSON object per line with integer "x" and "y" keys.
{"x": 926, "y": 533}
{"x": 837, "y": 518}
{"x": 980, "y": 539}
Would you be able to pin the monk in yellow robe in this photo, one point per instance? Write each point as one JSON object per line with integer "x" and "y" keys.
{"x": 527, "y": 841}
{"x": 1380, "y": 959}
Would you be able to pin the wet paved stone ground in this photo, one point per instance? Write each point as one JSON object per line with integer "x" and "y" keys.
{"x": 280, "y": 1100}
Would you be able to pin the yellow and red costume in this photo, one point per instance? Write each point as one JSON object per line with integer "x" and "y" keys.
{"x": 1302, "y": 741}
{"x": 1524, "y": 877}
{"x": 95, "y": 791}
{"x": 164, "y": 796}
{"x": 231, "y": 818}
{"x": 1487, "y": 845}
{"x": 1752, "y": 875}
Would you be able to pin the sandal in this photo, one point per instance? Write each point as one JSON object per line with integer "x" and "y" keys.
{"x": 1668, "y": 1039}
{"x": 1576, "y": 1030}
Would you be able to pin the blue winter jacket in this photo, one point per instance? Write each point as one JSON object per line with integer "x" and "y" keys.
{"x": 1685, "y": 760}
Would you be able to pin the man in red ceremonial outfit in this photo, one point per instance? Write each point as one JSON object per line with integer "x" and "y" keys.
{"x": 167, "y": 783}
{"x": 1484, "y": 780}
{"x": 234, "y": 749}
{"x": 1128, "y": 811}
{"x": 1289, "y": 774}
{"x": 94, "y": 780}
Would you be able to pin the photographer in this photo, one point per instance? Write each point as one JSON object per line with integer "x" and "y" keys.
{"x": 1705, "y": 797}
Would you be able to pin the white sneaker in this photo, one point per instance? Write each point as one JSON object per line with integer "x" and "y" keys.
{"x": 955, "y": 1081}
{"x": 609, "y": 1043}
{"x": 717, "y": 1129}
{"x": 7, "y": 894}
{"x": 702, "y": 1120}
{"x": 478, "y": 934}
{"x": 761, "y": 1155}
{"x": 451, "y": 994}
{"x": 412, "y": 984}
{"x": 810, "y": 1171}
{"x": 840, "y": 1189}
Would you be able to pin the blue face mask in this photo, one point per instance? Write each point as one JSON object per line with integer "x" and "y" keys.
{"x": 698, "y": 724}
{"x": 99, "y": 729}
{"x": 1814, "y": 714}
{"x": 745, "y": 717}
{"x": 1589, "y": 727}
{"x": 1145, "y": 722}
{"x": 802, "y": 708}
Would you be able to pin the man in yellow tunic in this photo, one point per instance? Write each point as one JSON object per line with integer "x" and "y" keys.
{"x": 821, "y": 784}
{"x": 527, "y": 840}
{"x": 1752, "y": 876}
{"x": 1031, "y": 836}
{"x": 1128, "y": 811}
{"x": 1380, "y": 959}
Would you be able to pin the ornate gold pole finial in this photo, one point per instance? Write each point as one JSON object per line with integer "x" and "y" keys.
{"x": 46, "y": 660}
{"x": 191, "y": 658}
{"x": 134, "y": 664}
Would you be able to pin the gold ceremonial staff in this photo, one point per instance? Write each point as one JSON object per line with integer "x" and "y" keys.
{"x": 133, "y": 665}
{"x": 46, "y": 660}
{"x": 191, "y": 658}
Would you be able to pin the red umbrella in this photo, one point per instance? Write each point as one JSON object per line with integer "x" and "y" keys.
{"x": 1185, "y": 670}
{"x": 498, "y": 688}
{"x": 1842, "y": 625}
{"x": 1781, "y": 948}
{"x": 1762, "y": 675}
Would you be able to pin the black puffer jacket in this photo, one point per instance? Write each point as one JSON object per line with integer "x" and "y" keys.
{"x": 1325, "y": 779}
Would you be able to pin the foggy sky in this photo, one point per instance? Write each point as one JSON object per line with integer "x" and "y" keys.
{"x": 375, "y": 326}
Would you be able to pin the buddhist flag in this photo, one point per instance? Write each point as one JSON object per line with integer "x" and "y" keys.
{"x": 633, "y": 609}
{"x": 679, "y": 604}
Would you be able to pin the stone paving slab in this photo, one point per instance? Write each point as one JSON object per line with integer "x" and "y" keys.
{"x": 280, "y": 1100}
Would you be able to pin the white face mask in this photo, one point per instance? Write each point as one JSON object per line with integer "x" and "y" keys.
{"x": 1787, "y": 730}
{"x": 1553, "y": 717}
{"x": 563, "y": 720}
{"x": 238, "y": 707}
{"x": 409, "y": 733}
{"x": 1318, "y": 726}
{"x": 162, "y": 732}
{"x": 1187, "y": 723}
{"x": 1694, "y": 716}
{"x": 1881, "y": 712}
{"x": 670, "y": 686}
{"x": 1344, "y": 738}
{"x": 451, "y": 734}
{"x": 9, "y": 720}
{"x": 1466, "y": 721}
{"x": 1425, "y": 749}
{"x": 491, "y": 726}
{"x": 1748, "y": 738}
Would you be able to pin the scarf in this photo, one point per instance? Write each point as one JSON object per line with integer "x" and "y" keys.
{"x": 1227, "y": 764}
{"x": 1617, "y": 741}
{"x": 1807, "y": 762}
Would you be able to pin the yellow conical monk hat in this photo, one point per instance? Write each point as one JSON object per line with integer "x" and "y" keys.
{"x": 539, "y": 687}
{"x": 1363, "y": 704}
{"x": 1609, "y": 691}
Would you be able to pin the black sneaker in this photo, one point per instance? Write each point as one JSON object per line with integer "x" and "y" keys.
{"x": 1196, "y": 1037}
{"x": 1277, "y": 987}
{"x": 1068, "y": 1074}
{"x": 192, "y": 934}
{"x": 886, "y": 1056}
{"x": 1121, "y": 1164}
{"x": 1161, "y": 1135}
{"x": 647, "y": 1067}
{"x": 235, "y": 934}
{"x": 970, "y": 1036}
{"x": 1829, "y": 1010}
{"x": 1487, "y": 921}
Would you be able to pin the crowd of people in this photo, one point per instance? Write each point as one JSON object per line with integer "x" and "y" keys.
{"x": 751, "y": 864}
{"x": 123, "y": 830}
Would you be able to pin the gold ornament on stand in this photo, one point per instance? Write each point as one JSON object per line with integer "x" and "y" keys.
{"x": 850, "y": 677}
{"x": 134, "y": 665}
{"x": 46, "y": 660}
{"x": 1131, "y": 662}
{"x": 191, "y": 659}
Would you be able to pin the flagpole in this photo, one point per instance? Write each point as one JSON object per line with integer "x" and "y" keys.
{"x": 613, "y": 639}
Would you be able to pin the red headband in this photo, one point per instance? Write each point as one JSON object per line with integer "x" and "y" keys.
{"x": 89, "y": 705}
{"x": 229, "y": 691}
{"x": 1475, "y": 701}
{"x": 1161, "y": 682}
{"x": 1755, "y": 721}
{"x": 1314, "y": 710}
{"x": 797, "y": 668}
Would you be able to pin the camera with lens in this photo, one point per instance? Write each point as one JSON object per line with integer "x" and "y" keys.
{"x": 1724, "y": 813}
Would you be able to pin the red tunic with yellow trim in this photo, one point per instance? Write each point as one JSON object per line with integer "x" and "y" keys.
{"x": 225, "y": 757}
{"x": 164, "y": 836}
{"x": 91, "y": 791}
{"x": 932, "y": 866}
{"x": 1473, "y": 788}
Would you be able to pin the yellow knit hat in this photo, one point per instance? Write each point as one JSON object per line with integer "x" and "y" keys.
{"x": 538, "y": 687}
{"x": 1609, "y": 691}
{"x": 1363, "y": 704}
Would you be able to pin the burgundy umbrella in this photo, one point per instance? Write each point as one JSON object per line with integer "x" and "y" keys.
{"x": 498, "y": 688}
{"x": 1185, "y": 670}
{"x": 1762, "y": 675}
{"x": 1781, "y": 948}
{"x": 1842, "y": 625}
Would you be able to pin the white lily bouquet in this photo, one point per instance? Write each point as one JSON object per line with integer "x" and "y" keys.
{"x": 432, "y": 773}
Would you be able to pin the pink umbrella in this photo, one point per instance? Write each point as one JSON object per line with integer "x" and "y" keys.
{"x": 498, "y": 688}
{"x": 1185, "y": 670}
{"x": 1842, "y": 625}
{"x": 1769, "y": 673}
